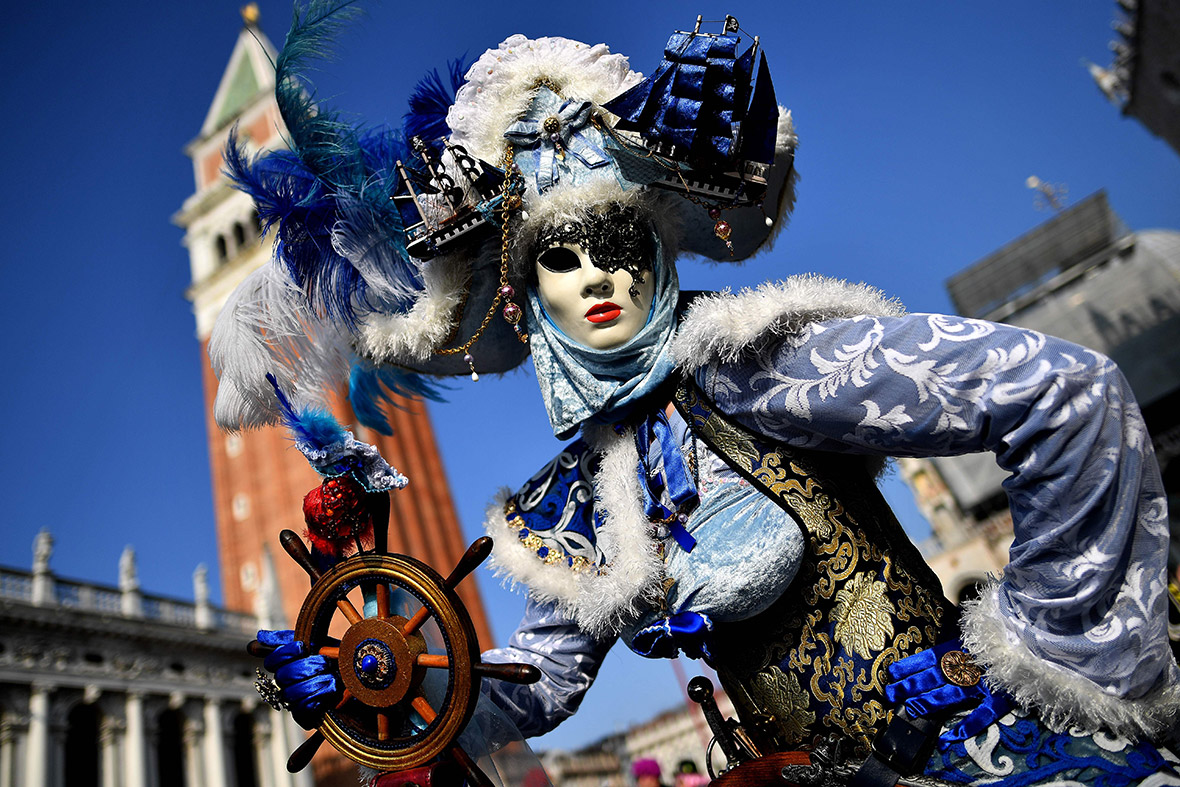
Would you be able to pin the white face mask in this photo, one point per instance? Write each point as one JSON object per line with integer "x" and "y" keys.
{"x": 597, "y": 308}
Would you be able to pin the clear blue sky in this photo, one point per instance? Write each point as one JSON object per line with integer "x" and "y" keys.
{"x": 918, "y": 123}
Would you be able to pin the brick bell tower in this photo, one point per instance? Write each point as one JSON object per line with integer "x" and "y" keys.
{"x": 259, "y": 478}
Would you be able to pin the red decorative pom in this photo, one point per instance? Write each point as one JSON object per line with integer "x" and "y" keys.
{"x": 337, "y": 515}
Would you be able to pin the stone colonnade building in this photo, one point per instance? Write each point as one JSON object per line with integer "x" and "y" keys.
{"x": 110, "y": 687}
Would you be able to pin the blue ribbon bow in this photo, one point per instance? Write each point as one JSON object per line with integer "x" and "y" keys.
{"x": 687, "y": 631}
{"x": 571, "y": 118}
{"x": 681, "y": 488}
{"x": 920, "y": 683}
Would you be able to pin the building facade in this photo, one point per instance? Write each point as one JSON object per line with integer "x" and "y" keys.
{"x": 670, "y": 738}
{"x": 1144, "y": 78}
{"x": 112, "y": 687}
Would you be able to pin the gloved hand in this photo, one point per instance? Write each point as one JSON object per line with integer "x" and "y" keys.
{"x": 931, "y": 682}
{"x": 307, "y": 684}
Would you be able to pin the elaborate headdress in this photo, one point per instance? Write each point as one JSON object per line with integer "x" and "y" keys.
{"x": 399, "y": 254}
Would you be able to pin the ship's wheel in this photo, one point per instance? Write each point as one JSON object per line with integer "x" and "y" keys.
{"x": 410, "y": 680}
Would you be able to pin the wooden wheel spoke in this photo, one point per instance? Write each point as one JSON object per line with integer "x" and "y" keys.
{"x": 433, "y": 661}
{"x": 415, "y": 623}
{"x": 302, "y": 755}
{"x": 349, "y": 611}
{"x": 383, "y": 726}
{"x": 382, "y": 600}
{"x": 330, "y": 653}
{"x": 427, "y": 713}
{"x": 513, "y": 673}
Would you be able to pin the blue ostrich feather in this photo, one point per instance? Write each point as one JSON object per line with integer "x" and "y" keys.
{"x": 325, "y": 143}
{"x": 312, "y": 427}
{"x": 333, "y": 174}
{"x": 369, "y": 387}
{"x": 430, "y": 100}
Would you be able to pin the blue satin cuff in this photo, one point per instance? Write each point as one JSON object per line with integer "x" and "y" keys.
{"x": 687, "y": 631}
{"x": 681, "y": 487}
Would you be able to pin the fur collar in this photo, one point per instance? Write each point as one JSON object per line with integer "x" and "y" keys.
{"x": 720, "y": 328}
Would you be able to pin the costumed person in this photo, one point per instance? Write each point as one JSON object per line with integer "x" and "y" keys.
{"x": 718, "y": 496}
{"x": 646, "y": 773}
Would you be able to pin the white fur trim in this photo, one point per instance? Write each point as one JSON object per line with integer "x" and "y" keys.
{"x": 721, "y": 327}
{"x": 786, "y": 144}
{"x": 414, "y": 335}
{"x": 501, "y": 85}
{"x": 600, "y": 604}
{"x": 1062, "y": 697}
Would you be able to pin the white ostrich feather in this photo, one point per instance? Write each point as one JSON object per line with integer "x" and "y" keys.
{"x": 266, "y": 327}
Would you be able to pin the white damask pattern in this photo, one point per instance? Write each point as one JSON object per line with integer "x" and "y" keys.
{"x": 1083, "y": 594}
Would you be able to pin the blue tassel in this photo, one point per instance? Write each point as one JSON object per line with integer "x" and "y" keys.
{"x": 312, "y": 427}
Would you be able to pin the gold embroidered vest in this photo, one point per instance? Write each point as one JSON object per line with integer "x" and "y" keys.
{"x": 812, "y": 665}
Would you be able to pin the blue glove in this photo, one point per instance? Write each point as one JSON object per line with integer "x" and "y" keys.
{"x": 921, "y": 682}
{"x": 307, "y": 683}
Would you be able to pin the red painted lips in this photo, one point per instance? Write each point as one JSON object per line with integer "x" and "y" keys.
{"x": 603, "y": 312}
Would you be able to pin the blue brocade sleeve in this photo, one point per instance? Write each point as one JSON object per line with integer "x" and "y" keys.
{"x": 1077, "y": 625}
{"x": 568, "y": 659}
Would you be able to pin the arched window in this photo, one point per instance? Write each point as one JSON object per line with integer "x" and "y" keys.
{"x": 170, "y": 748}
{"x": 239, "y": 236}
{"x": 82, "y": 767}
{"x": 222, "y": 249}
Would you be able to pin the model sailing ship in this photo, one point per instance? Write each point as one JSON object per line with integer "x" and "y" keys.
{"x": 703, "y": 105}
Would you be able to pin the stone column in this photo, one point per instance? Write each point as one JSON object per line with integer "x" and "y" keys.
{"x": 135, "y": 747}
{"x": 37, "y": 750}
{"x": 215, "y": 770}
{"x": 7, "y": 754}
{"x": 110, "y": 749}
{"x": 278, "y": 749}
{"x": 262, "y": 757}
{"x": 194, "y": 756}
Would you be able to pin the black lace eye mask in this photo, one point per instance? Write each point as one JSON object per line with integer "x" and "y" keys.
{"x": 616, "y": 240}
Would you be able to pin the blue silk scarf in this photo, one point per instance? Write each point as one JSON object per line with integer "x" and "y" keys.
{"x": 580, "y": 384}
